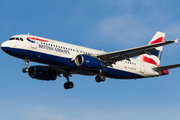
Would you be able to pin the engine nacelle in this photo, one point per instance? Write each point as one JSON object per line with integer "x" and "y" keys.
{"x": 88, "y": 62}
{"x": 42, "y": 73}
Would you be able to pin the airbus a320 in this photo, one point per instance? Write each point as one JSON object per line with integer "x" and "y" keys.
{"x": 66, "y": 59}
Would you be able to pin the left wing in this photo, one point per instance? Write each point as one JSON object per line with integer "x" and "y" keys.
{"x": 113, "y": 57}
{"x": 166, "y": 67}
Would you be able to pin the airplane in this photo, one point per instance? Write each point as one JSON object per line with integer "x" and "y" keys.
{"x": 65, "y": 59}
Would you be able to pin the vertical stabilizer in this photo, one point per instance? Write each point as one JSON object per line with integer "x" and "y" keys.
{"x": 155, "y": 56}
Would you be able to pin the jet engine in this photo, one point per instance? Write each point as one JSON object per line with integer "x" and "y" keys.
{"x": 88, "y": 62}
{"x": 42, "y": 73}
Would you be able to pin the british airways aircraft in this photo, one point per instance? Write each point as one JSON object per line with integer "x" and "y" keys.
{"x": 67, "y": 59}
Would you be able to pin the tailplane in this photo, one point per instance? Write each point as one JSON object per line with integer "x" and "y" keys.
{"x": 154, "y": 57}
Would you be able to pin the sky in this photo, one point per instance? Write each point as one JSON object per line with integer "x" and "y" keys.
{"x": 110, "y": 25}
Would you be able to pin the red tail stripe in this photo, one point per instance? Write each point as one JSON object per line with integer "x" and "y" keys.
{"x": 37, "y": 39}
{"x": 148, "y": 60}
{"x": 161, "y": 39}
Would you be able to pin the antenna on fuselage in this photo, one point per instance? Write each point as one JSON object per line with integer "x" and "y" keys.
{"x": 28, "y": 33}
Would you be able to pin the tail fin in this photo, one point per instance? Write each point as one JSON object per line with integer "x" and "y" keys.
{"x": 155, "y": 56}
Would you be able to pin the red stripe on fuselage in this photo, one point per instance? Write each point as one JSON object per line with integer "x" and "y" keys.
{"x": 161, "y": 39}
{"x": 148, "y": 60}
{"x": 37, "y": 39}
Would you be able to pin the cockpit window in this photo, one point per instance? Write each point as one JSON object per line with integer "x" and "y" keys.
{"x": 12, "y": 38}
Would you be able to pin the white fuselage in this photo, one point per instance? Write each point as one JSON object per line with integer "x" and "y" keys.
{"x": 58, "y": 50}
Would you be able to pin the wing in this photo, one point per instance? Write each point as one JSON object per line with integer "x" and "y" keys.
{"x": 113, "y": 57}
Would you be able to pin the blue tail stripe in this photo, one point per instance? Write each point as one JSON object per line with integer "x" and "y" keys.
{"x": 157, "y": 53}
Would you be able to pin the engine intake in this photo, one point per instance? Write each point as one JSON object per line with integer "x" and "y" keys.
{"x": 89, "y": 62}
{"x": 42, "y": 73}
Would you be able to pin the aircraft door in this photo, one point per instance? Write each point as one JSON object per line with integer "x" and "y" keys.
{"x": 34, "y": 45}
{"x": 142, "y": 67}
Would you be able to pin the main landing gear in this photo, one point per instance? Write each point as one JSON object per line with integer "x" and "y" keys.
{"x": 25, "y": 70}
{"x": 68, "y": 84}
{"x": 100, "y": 77}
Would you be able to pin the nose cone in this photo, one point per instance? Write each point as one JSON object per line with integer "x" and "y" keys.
{"x": 5, "y": 46}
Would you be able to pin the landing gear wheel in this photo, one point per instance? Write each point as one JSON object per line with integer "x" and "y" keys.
{"x": 100, "y": 78}
{"x": 68, "y": 85}
{"x": 71, "y": 85}
{"x": 97, "y": 79}
{"x": 25, "y": 70}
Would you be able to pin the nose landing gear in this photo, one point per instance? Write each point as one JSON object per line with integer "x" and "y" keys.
{"x": 25, "y": 70}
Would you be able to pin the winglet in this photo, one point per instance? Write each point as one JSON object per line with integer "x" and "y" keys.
{"x": 176, "y": 41}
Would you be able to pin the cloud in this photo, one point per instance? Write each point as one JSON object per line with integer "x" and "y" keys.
{"x": 134, "y": 25}
{"x": 25, "y": 112}
{"x": 89, "y": 112}
{"x": 138, "y": 113}
{"x": 122, "y": 31}
{"x": 42, "y": 113}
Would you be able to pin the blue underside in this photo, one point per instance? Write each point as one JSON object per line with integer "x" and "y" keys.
{"x": 55, "y": 60}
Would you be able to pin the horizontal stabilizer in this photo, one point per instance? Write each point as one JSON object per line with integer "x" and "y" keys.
{"x": 176, "y": 41}
{"x": 166, "y": 67}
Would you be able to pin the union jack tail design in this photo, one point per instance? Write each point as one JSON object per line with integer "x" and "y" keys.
{"x": 155, "y": 56}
